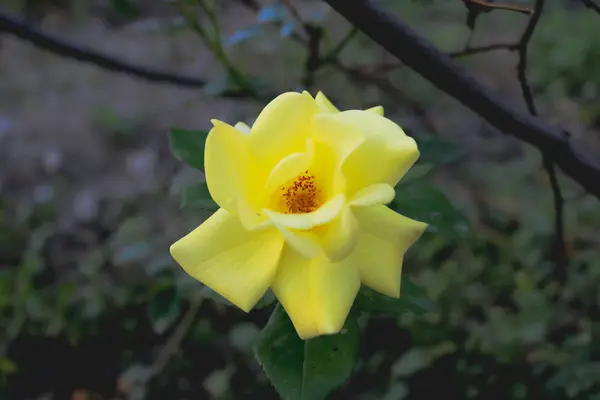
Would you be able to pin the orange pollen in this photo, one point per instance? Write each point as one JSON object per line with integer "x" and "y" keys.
{"x": 301, "y": 196}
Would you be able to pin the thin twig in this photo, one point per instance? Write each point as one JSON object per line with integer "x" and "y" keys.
{"x": 523, "y": 48}
{"x": 39, "y": 39}
{"x": 559, "y": 240}
{"x": 173, "y": 343}
{"x": 313, "y": 59}
{"x": 483, "y": 49}
{"x": 333, "y": 54}
{"x": 487, "y": 6}
{"x": 214, "y": 44}
{"x": 296, "y": 15}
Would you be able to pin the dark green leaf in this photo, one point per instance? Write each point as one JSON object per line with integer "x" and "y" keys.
{"x": 197, "y": 196}
{"x": 188, "y": 146}
{"x": 416, "y": 173}
{"x": 268, "y": 299}
{"x": 425, "y": 203}
{"x": 125, "y": 8}
{"x": 306, "y": 370}
{"x": 436, "y": 150}
{"x": 412, "y": 299}
{"x": 163, "y": 310}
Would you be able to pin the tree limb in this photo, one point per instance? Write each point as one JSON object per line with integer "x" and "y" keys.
{"x": 399, "y": 39}
{"x": 22, "y": 30}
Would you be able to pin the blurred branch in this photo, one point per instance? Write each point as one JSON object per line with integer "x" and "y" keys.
{"x": 214, "y": 43}
{"x": 591, "y": 5}
{"x": 340, "y": 46}
{"x": 484, "y": 6}
{"x": 313, "y": 59}
{"x": 522, "y": 48}
{"x": 173, "y": 343}
{"x": 559, "y": 241}
{"x": 23, "y": 31}
{"x": 417, "y": 53}
{"x": 483, "y": 49}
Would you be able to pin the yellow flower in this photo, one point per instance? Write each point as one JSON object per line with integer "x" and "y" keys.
{"x": 302, "y": 199}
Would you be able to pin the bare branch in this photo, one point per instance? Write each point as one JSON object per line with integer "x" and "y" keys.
{"x": 559, "y": 244}
{"x": 417, "y": 53}
{"x": 483, "y": 49}
{"x": 591, "y": 5}
{"x": 485, "y": 6}
{"x": 22, "y": 30}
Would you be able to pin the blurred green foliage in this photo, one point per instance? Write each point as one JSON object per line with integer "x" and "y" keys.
{"x": 93, "y": 305}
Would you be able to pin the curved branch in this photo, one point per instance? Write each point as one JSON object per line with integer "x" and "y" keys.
{"x": 22, "y": 30}
{"x": 399, "y": 39}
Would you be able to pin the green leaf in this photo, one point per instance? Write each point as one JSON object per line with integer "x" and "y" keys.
{"x": 198, "y": 196}
{"x": 416, "y": 173}
{"x": 412, "y": 299}
{"x": 423, "y": 202}
{"x": 163, "y": 310}
{"x": 268, "y": 299}
{"x": 188, "y": 146}
{"x": 436, "y": 150}
{"x": 306, "y": 369}
{"x": 125, "y": 8}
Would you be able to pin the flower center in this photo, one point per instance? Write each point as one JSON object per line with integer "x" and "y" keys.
{"x": 301, "y": 196}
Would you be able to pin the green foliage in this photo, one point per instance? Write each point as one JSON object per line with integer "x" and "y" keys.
{"x": 198, "y": 196}
{"x": 437, "y": 151}
{"x": 421, "y": 201}
{"x": 412, "y": 299}
{"x": 188, "y": 146}
{"x": 308, "y": 369}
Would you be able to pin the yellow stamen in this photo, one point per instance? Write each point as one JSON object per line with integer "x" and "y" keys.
{"x": 301, "y": 196}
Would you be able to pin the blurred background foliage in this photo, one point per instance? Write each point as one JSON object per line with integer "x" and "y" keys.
{"x": 93, "y": 307}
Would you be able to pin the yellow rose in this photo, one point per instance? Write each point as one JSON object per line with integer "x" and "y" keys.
{"x": 302, "y": 199}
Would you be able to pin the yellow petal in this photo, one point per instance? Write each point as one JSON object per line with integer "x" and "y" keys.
{"x": 290, "y": 167}
{"x": 231, "y": 174}
{"x": 339, "y": 237}
{"x": 385, "y": 236}
{"x": 282, "y": 128}
{"x": 385, "y": 154}
{"x": 333, "y": 142}
{"x": 303, "y": 242}
{"x": 316, "y": 294}
{"x": 324, "y": 214}
{"x": 379, "y": 193}
{"x": 325, "y": 104}
{"x": 237, "y": 264}
{"x": 242, "y": 127}
{"x": 377, "y": 110}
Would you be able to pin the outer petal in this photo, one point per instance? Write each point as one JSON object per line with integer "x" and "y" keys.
{"x": 282, "y": 127}
{"x": 339, "y": 237}
{"x": 377, "y": 110}
{"x": 385, "y": 237}
{"x": 383, "y": 157}
{"x": 316, "y": 294}
{"x": 325, "y": 104}
{"x": 242, "y": 127}
{"x": 235, "y": 263}
{"x": 231, "y": 174}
